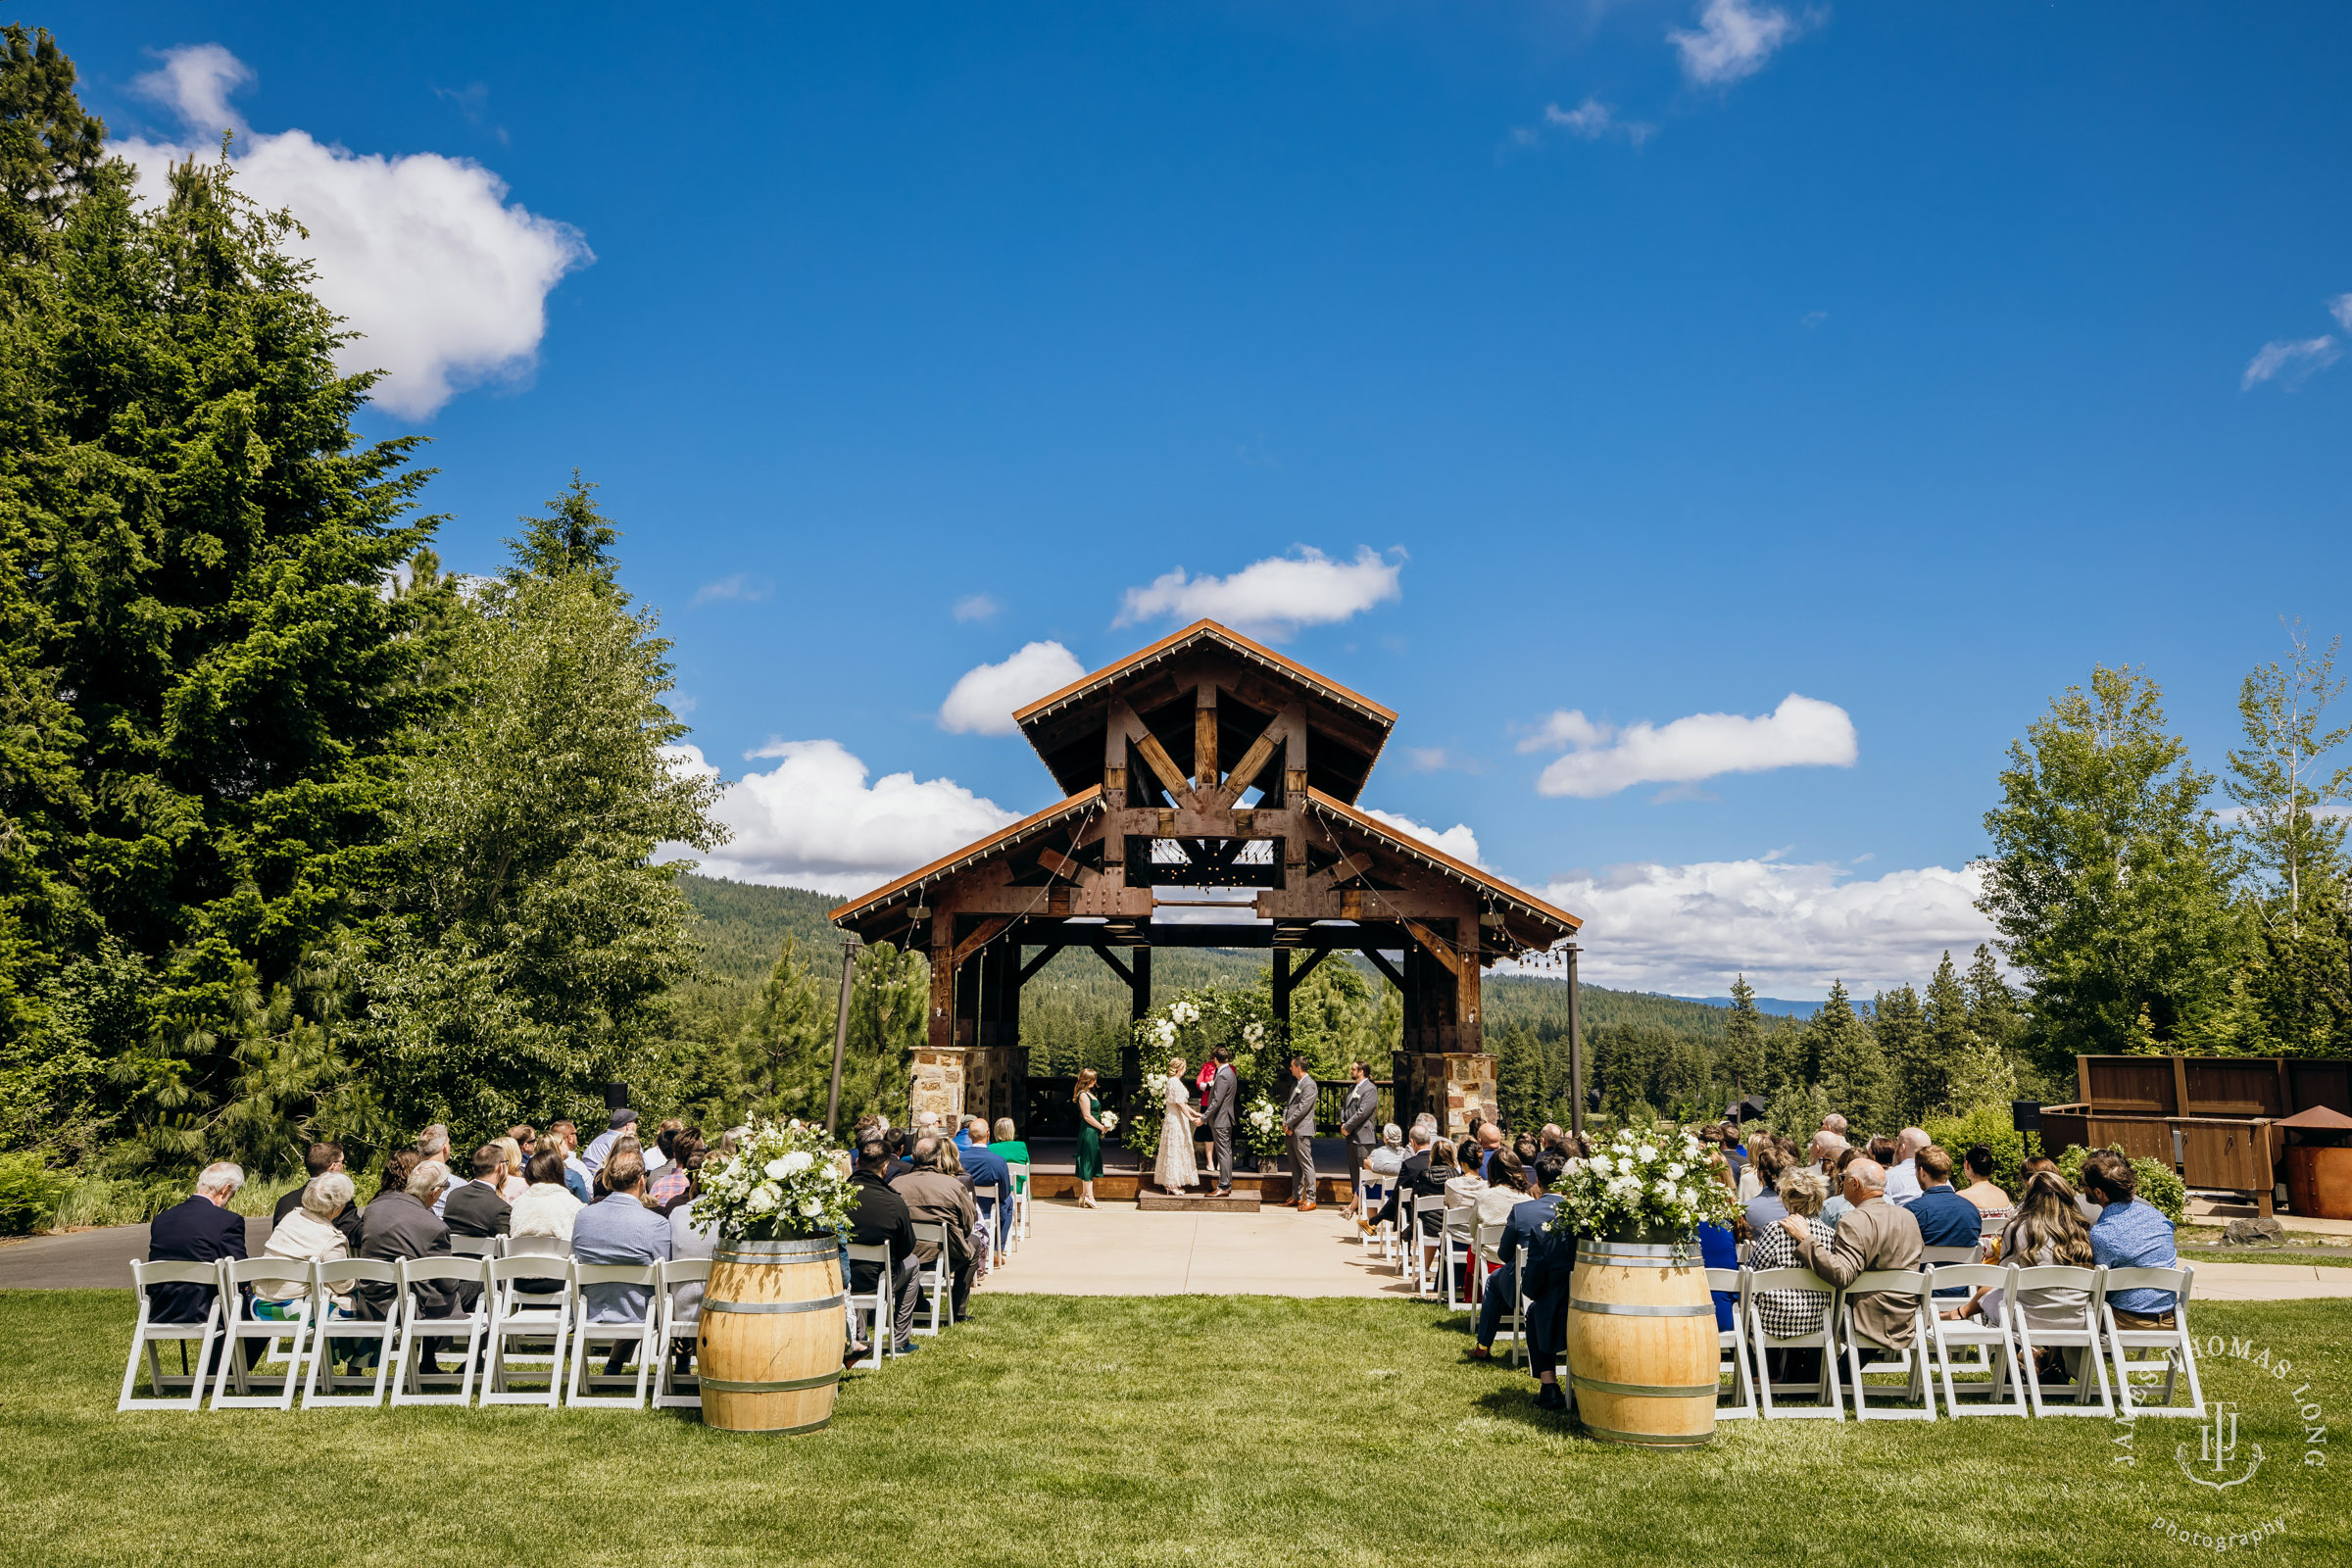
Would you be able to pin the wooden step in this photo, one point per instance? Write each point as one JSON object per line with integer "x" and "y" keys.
{"x": 1152, "y": 1202}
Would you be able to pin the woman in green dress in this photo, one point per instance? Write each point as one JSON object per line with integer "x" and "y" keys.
{"x": 1090, "y": 1139}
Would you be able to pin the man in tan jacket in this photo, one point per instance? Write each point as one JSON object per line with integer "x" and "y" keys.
{"x": 934, "y": 1196}
{"x": 1874, "y": 1233}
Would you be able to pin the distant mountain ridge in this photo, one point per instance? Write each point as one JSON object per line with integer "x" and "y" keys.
{"x": 1779, "y": 1007}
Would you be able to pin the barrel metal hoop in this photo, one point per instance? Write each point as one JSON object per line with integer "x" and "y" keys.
{"x": 1634, "y": 1253}
{"x": 789, "y": 1385}
{"x": 820, "y": 1305}
{"x": 778, "y": 1432}
{"x": 797, "y": 1248}
{"x": 1648, "y": 1439}
{"x": 1650, "y": 1391}
{"x": 1642, "y": 1309}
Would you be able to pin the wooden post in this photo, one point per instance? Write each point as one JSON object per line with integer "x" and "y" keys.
{"x": 1282, "y": 993}
{"x": 2181, "y": 1086}
{"x": 1576, "y": 1053}
{"x": 1139, "y": 1002}
{"x": 2083, "y": 1080}
{"x": 1204, "y": 736}
{"x": 841, "y": 1030}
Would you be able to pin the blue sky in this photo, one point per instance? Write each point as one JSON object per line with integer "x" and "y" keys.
{"x": 1907, "y": 360}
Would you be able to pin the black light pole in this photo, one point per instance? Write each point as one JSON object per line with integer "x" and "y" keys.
{"x": 1576, "y": 1053}
{"x": 841, "y": 1031}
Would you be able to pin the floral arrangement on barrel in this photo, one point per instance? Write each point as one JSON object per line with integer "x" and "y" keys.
{"x": 1642, "y": 1186}
{"x": 788, "y": 1181}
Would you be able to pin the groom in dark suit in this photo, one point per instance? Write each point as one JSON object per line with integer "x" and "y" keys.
{"x": 1223, "y": 1091}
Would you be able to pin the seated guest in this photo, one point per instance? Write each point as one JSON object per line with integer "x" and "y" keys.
{"x": 879, "y": 1217}
{"x": 1786, "y": 1314}
{"x": 1390, "y": 1156}
{"x": 934, "y": 1195}
{"x": 2046, "y": 1232}
{"x": 199, "y": 1229}
{"x": 526, "y": 1142}
{"x": 1767, "y": 1165}
{"x": 2129, "y": 1233}
{"x": 658, "y": 1155}
{"x": 895, "y": 1141}
{"x": 1551, "y": 1271}
{"x": 1719, "y": 1244}
{"x": 1527, "y": 1149}
{"x": 1822, "y": 1151}
{"x": 1505, "y": 1192}
{"x": 401, "y": 1224}
{"x": 1414, "y": 1169}
{"x": 987, "y": 1168}
{"x": 1873, "y": 1234}
{"x": 321, "y": 1160}
{"x": 1007, "y": 1145}
{"x": 688, "y": 1240}
{"x": 477, "y": 1207}
{"x": 1880, "y": 1150}
{"x": 547, "y": 1206}
{"x": 1835, "y": 1209}
{"x": 625, "y": 1144}
{"x": 1468, "y": 1179}
{"x": 1945, "y": 1219}
{"x": 564, "y": 1139}
{"x": 308, "y": 1235}
{"x": 620, "y": 1230}
{"x": 620, "y": 1124}
{"x": 665, "y": 1188}
{"x": 1521, "y": 1227}
{"x": 1554, "y": 1135}
{"x": 1990, "y": 1201}
{"x": 2041, "y": 1164}
{"x": 1490, "y": 1144}
{"x": 515, "y": 1183}
{"x": 1902, "y": 1177}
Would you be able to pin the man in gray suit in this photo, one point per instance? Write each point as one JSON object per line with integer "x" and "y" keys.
{"x": 1298, "y": 1120}
{"x": 1223, "y": 1091}
{"x": 1356, "y": 1115}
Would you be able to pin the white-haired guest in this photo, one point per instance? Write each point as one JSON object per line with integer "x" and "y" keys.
{"x": 308, "y": 1235}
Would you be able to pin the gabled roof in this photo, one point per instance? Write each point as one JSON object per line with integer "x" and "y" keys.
{"x": 1527, "y": 903}
{"x": 1004, "y": 838}
{"x": 1208, "y": 631}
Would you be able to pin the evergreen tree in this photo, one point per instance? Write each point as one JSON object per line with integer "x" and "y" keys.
{"x": 1852, "y": 1071}
{"x": 1901, "y": 1026}
{"x": 1520, "y": 1088}
{"x": 50, "y": 147}
{"x": 1744, "y": 1040}
{"x": 890, "y": 996}
{"x": 2108, "y": 879}
{"x": 783, "y": 1058}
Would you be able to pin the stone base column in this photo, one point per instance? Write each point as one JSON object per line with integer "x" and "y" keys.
{"x": 1452, "y": 1085}
{"x": 938, "y": 1082}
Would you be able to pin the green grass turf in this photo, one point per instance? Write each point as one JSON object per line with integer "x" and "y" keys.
{"x": 1177, "y": 1429}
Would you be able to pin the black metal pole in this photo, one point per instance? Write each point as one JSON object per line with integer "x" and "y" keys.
{"x": 1576, "y": 1053}
{"x": 841, "y": 1031}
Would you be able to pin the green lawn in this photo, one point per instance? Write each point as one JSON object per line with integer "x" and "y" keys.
{"x": 1189, "y": 1429}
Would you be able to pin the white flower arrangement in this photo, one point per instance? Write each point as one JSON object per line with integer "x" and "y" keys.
{"x": 1109, "y": 1120}
{"x": 1262, "y": 1127}
{"x": 785, "y": 1182}
{"x": 1634, "y": 1189}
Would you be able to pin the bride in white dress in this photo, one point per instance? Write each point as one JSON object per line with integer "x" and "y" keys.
{"x": 1176, "y": 1168}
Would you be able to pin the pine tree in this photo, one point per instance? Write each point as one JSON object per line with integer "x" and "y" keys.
{"x": 1993, "y": 1016}
{"x": 1519, "y": 1076}
{"x": 1917, "y": 1072}
{"x": 1744, "y": 1040}
{"x": 50, "y": 147}
{"x": 1853, "y": 1071}
{"x": 888, "y": 1000}
{"x": 783, "y": 1055}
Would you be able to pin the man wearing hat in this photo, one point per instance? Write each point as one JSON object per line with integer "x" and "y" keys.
{"x": 600, "y": 1147}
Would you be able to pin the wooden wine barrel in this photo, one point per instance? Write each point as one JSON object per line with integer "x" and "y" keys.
{"x": 770, "y": 1349}
{"x": 1642, "y": 1347}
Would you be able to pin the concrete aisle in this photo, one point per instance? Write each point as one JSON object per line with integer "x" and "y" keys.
{"x": 1118, "y": 1250}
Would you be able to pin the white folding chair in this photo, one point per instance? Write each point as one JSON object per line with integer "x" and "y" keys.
{"x": 1912, "y": 1363}
{"x": 522, "y": 1309}
{"x": 473, "y": 1246}
{"x": 938, "y": 1275}
{"x": 1989, "y": 1345}
{"x": 1456, "y": 1232}
{"x": 1376, "y": 1193}
{"x": 241, "y": 1325}
{"x": 1822, "y": 1337}
{"x": 338, "y": 1277}
{"x": 1734, "y": 1343}
{"x": 680, "y": 1324}
{"x": 1515, "y": 1318}
{"x": 2179, "y": 1351}
{"x": 1485, "y": 1246}
{"x": 149, "y": 1334}
{"x": 1426, "y": 1246}
{"x": 990, "y": 1201}
{"x": 410, "y": 1383}
{"x": 1020, "y": 1204}
{"x": 2076, "y": 1333}
{"x": 587, "y": 1332}
{"x": 878, "y": 1308}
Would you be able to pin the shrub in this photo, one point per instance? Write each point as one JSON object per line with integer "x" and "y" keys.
{"x": 29, "y": 1194}
{"x": 2159, "y": 1182}
{"x": 1992, "y": 1126}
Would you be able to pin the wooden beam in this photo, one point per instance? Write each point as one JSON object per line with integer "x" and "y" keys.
{"x": 1204, "y": 736}
{"x": 1253, "y": 760}
{"x": 1281, "y": 987}
{"x": 1116, "y": 968}
{"x": 1038, "y": 962}
{"x": 1059, "y": 864}
{"x": 994, "y": 926}
{"x": 1383, "y": 966}
{"x": 1435, "y": 946}
{"x": 1314, "y": 957}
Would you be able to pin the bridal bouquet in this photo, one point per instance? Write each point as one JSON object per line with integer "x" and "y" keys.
{"x": 1109, "y": 1120}
{"x": 1262, "y": 1127}
{"x": 1642, "y": 1187}
{"x": 786, "y": 1182}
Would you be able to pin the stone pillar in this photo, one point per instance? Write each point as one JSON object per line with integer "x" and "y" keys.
{"x": 938, "y": 1082}
{"x": 1452, "y": 1085}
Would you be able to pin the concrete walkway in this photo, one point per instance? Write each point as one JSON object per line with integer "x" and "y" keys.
{"x": 1119, "y": 1250}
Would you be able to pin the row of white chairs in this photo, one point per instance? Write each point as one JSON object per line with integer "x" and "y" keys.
{"x": 1980, "y": 1366}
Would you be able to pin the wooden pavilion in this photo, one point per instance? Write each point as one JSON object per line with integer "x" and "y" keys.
{"x": 1203, "y": 775}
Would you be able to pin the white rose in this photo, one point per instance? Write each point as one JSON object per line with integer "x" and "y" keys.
{"x": 1648, "y": 1151}
{"x": 764, "y": 1199}
{"x": 1675, "y": 1170}
{"x": 810, "y": 1208}
{"x": 1600, "y": 1165}
{"x": 799, "y": 1160}
{"x": 1666, "y": 1191}
{"x": 777, "y": 1169}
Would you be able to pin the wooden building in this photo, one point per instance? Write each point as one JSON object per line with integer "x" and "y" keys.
{"x": 1203, "y": 775}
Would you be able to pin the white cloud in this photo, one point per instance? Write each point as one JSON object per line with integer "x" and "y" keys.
{"x": 1732, "y": 40}
{"x": 983, "y": 701}
{"x": 1791, "y": 929}
{"x": 1592, "y": 120}
{"x": 2295, "y": 362}
{"x": 811, "y": 821}
{"x": 420, "y": 253}
{"x": 1457, "y": 841}
{"x": 977, "y": 606}
{"x": 740, "y": 585}
{"x": 1274, "y": 597}
{"x": 2340, "y": 307}
{"x": 1803, "y": 732}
